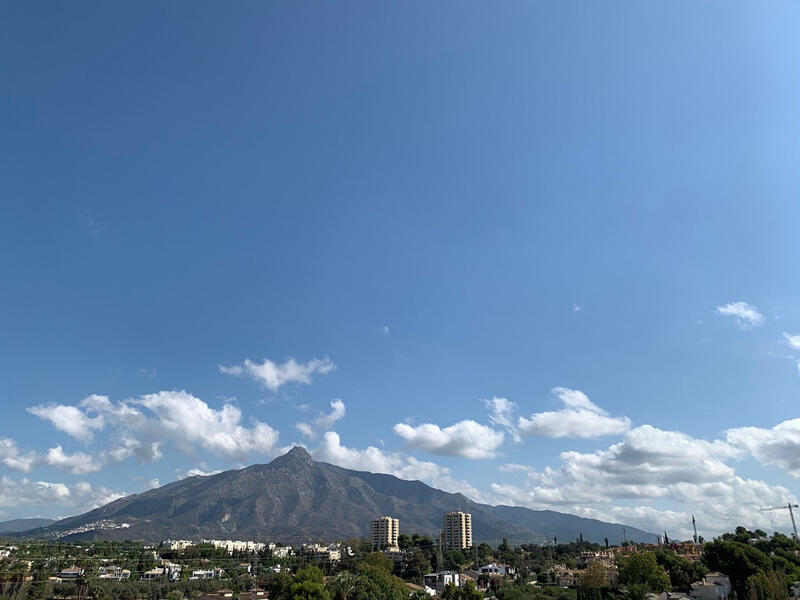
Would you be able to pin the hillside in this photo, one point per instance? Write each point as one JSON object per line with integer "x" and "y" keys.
{"x": 295, "y": 499}
{"x": 15, "y": 525}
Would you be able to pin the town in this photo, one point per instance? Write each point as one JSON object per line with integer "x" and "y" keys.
{"x": 742, "y": 565}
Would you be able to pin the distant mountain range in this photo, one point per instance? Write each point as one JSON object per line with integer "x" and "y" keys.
{"x": 295, "y": 499}
{"x": 23, "y": 524}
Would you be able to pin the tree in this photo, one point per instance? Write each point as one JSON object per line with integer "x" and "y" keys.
{"x": 682, "y": 572}
{"x": 642, "y": 569}
{"x": 279, "y": 586}
{"x": 595, "y": 577}
{"x": 416, "y": 565}
{"x": 739, "y": 561}
{"x": 343, "y": 585}
{"x": 379, "y": 560}
{"x": 450, "y": 592}
{"x": 375, "y": 582}
{"x": 469, "y": 591}
{"x": 309, "y": 584}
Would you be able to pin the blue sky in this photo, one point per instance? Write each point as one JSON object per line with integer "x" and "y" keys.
{"x": 426, "y": 206}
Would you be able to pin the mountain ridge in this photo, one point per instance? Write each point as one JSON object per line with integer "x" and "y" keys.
{"x": 295, "y": 499}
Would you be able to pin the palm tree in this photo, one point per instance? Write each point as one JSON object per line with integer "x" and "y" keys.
{"x": 344, "y": 584}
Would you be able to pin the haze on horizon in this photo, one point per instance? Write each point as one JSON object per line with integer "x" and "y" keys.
{"x": 543, "y": 254}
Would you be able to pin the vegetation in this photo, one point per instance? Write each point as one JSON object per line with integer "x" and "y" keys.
{"x": 760, "y": 567}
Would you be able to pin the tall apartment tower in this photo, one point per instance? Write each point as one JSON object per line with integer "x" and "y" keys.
{"x": 384, "y": 532}
{"x": 457, "y": 532}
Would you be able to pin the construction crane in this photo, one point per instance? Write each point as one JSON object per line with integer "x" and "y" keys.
{"x": 790, "y": 506}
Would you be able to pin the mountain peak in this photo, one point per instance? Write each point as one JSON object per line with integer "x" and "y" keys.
{"x": 297, "y": 455}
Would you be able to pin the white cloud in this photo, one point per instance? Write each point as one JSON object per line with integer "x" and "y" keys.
{"x": 201, "y": 470}
{"x": 778, "y": 446}
{"x": 325, "y": 421}
{"x": 501, "y": 411}
{"x": 466, "y": 438}
{"x": 69, "y": 419}
{"x": 385, "y": 329}
{"x": 141, "y": 427}
{"x": 78, "y": 463}
{"x": 15, "y": 460}
{"x": 747, "y": 315}
{"x": 576, "y": 308}
{"x": 274, "y": 375}
{"x": 649, "y": 467}
{"x": 376, "y": 460}
{"x": 580, "y": 418}
{"x": 189, "y": 422}
{"x": 79, "y": 497}
{"x": 792, "y": 340}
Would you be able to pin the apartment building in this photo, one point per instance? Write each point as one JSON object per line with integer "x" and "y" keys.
{"x": 385, "y": 531}
{"x": 457, "y": 531}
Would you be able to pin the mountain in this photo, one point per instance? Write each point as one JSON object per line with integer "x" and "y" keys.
{"x": 23, "y": 524}
{"x": 295, "y": 499}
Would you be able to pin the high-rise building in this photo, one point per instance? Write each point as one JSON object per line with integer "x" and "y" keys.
{"x": 457, "y": 532}
{"x": 384, "y": 533}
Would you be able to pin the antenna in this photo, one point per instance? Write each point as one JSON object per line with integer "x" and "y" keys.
{"x": 694, "y": 526}
{"x": 625, "y": 535}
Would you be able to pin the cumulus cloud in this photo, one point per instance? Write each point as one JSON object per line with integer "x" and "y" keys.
{"x": 650, "y": 466}
{"x": 78, "y": 463}
{"x": 579, "y": 418}
{"x": 79, "y": 497}
{"x": 14, "y": 459}
{"x": 777, "y": 446}
{"x": 466, "y": 438}
{"x": 373, "y": 459}
{"x": 142, "y": 426}
{"x": 69, "y": 419}
{"x": 747, "y": 316}
{"x": 325, "y": 421}
{"x": 274, "y": 375}
{"x": 190, "y": 422}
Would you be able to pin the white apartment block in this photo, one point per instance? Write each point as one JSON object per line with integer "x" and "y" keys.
{"x": 457, "y": 531}
{"x": 385, "y": 531}
{"x": 237, "y": 546}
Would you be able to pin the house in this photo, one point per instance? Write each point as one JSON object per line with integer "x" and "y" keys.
{"x": 668, "y": 596}
{"x": 561, "y": 576}
{"x": 114, "y": 572}
{"x": 207, "y": 574}
{"x": 604, "y": 557}
{"x": 437, "y": 581}
{"x": 321, "y": 552}
{"x": 714, "y": 586}
{"x": 420, "y": 588}
{"x": 152, "y": 575}
{"x": 496, "y": 569}
{"x": 70, "y": 573}
{"x": 280, "y": 551}
{"x": 173, "y": 570}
